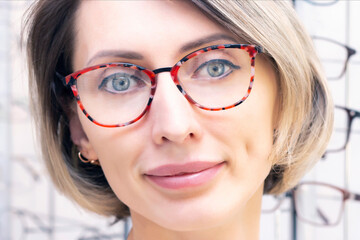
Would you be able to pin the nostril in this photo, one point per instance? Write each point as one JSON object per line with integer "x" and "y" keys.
{"x": 177, "y": 137}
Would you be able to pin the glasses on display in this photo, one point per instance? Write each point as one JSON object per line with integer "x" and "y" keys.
{"x": 335, "y": 61}
{"x": 214, "y": 78}
{"x": 318, "y": 2}
{"x": 316, "y": 203}
{"x": 271, "y": 203}
{"x": 343, "y": 122}
{"x": 32, "y": 225}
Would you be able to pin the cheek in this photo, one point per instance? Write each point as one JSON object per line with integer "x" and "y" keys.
{"x": 259, "y": 132}
{"x": 116, "y": 148}
{"x": 118, "y": 155}
{"x": 261, "y": 112}
{"x": 247, "y": 131}
{"x": 252, "y": 143}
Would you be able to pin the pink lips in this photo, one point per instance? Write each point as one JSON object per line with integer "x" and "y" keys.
{"x": 191, "y": 174}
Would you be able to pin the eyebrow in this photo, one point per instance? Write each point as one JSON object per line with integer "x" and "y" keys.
{"x": 131, "y": 55}
{"x": 199, "y": 42}
{"x": 116, "y": 53}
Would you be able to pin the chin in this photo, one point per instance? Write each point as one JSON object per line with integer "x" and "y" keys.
{"x": 198, "y": 215}
{"x": 193, "y": 222}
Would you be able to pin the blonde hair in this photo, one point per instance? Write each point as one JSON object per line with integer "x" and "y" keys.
{"x": 305, "y": 118}
{"x": 306, "y": 108}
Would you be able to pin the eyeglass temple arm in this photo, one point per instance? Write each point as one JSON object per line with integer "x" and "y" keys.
{"x": 356, "y": 113}
{"x": 63, "y": 79}
{"x": 350, "y": 52}
{"x": 351, "y": 115}
{"x": 354, "y": 196}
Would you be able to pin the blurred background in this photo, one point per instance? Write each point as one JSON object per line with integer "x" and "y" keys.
{"x": 327, "y": 208}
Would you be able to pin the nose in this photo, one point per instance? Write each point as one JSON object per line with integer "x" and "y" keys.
{"x": 173, "y": 118}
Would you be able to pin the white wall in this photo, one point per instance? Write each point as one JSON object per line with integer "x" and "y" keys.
{"x": 30, "y": 207}
{"x": 338, "y": 22}
{"x": 26, "y": 190}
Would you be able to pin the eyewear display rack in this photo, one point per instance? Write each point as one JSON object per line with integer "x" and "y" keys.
{"x": 344, "y": 16}
{"x": 5, "y": 121}
{"x": 8, "y": 181}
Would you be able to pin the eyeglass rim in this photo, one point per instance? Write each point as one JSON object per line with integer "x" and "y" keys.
{"x": 349, "y": 51}
{"x": 70, "y": 80}
{"x": 314, "y": 3}
{"x": 280, "y": 199}
{"x": 345, "y": 196}
{"x": 351, "y": 115}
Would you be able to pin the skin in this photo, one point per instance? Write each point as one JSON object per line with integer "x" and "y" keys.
{"x": 174, "y": 131}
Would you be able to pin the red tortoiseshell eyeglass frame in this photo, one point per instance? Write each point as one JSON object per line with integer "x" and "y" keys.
{"x": 70, "y": 80}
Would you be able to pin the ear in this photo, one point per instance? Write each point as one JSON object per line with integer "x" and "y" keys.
{"x": 80, "y": 139}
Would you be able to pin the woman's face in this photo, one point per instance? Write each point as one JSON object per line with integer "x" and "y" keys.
{"x": 179, "y": 167}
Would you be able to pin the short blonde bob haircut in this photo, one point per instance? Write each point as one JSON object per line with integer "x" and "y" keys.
{"x": 305, "y": 116}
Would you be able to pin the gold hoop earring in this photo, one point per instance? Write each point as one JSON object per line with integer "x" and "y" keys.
{"x": 85, "y": 160}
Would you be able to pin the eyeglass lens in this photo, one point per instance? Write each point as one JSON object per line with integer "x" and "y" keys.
{"x": 271, "y": 203}
{"x": 333, "y": 56}
{"x": 217, "y": 78}
{"x": 214, "y": 79}
{"x": 114, "y": 94}
{"x": 322, "y": 2}
{"x": 319, "y": 204}
{"x": 340, "y": 130}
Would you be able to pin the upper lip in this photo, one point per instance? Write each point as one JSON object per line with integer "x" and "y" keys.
{"x": 179, "y": 169}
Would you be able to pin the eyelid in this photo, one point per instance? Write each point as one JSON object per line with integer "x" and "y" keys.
{"x": 224, "y": 61}
{"x": 229, "y": 65}
{"x": 104, "y": 80}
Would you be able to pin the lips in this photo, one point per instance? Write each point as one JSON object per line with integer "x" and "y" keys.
{"x": 173, "y": 176}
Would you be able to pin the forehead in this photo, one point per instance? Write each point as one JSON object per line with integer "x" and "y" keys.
{"x": 142, "y": 26}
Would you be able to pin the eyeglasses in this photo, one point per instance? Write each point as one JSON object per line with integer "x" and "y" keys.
{"x": 319, "y": 2}
{"x": 32, "y": 225}
{"x": 335, "y": 61}
{"x": 316, "y": 203}
{"x": 343, "y": 121}
{"x": 213, "y": 78}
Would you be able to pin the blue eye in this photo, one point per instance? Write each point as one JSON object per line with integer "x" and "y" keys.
{"x": 120, "y": 82}
{"x": 216, "y": 68}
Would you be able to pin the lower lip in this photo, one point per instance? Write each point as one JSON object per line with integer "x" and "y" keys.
{"x": 186, "y": 180}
